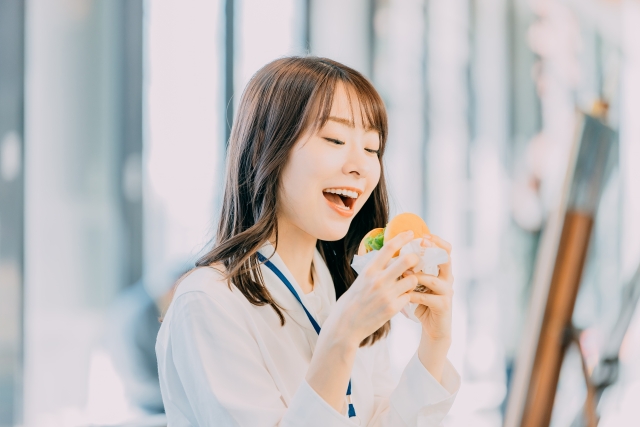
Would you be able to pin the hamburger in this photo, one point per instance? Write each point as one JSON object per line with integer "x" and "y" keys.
{"x": 374, "y": 240}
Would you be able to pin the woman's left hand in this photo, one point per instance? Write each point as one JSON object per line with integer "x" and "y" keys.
{"x": 434, "y": 311}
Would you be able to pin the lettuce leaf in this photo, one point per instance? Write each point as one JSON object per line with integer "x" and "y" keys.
{"x": 374, "y": 243}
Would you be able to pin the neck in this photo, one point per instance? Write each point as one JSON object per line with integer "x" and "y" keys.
{"x": 296, "y": 248}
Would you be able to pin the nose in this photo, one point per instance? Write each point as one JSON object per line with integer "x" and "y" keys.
{"x": 357, "y": 162}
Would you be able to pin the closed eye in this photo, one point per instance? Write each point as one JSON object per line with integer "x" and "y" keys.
{"x": 338, "y": 142}
{"x": 335, "y": 141}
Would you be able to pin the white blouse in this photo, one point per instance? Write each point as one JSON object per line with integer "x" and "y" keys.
{"x": 225, "y": 362}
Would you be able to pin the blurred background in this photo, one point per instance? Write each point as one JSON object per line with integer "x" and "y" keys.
{"x": 113, "y": 121}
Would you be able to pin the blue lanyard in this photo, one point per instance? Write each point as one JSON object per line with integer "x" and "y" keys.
{"x": 269, "y": 264}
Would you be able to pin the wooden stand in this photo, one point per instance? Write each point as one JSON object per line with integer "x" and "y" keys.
{"x": 557, "y": 279}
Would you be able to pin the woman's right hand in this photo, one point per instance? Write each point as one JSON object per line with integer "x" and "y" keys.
{"x": 376, "y": 295}
{"x": 373, "y": 298}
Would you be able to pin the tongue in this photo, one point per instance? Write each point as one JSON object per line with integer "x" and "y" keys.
{"x": 334, "y": 198}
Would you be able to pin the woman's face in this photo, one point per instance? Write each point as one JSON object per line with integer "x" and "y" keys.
{"x": 330, "y": 173}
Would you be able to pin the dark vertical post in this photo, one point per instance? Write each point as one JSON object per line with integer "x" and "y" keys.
{"x": 229, "y": 46}
{"x": 130, "y": 164}
{"x": 472, "y": 125}
{"x": 307, "y": 26}
{"x": 525, "y": 110}
{"x": 12, "y": 16}
{"x": 371, "y": 35}
{"x": 425, "y": 114}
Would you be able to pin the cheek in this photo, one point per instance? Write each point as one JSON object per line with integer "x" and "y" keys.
{"x": 300, "y": 178}
{"x": 309, "y": 167}
{"x": 373, "y": 178}
{"x": 376, "y": 172}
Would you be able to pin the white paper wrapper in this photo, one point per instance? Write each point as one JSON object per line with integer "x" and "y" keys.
{"x": 430, "y": 259}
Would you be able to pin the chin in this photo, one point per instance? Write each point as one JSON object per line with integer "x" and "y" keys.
{"x": 333, "y": 231}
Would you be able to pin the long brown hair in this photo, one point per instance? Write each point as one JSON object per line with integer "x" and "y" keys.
{"x": 282, "y": 101}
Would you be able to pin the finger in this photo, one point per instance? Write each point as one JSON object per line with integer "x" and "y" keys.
{"x": 446, "y": 268}
{"x": 400, "y": 302}
{"x": 402, "y": 264}
{"x": 439, "y": 242}
{"x": 438, "y": 303}
{"x": 392, "y": 246}
{"x": 406, "y": 284}
{"x": 445, "y": 272}
{"x": 436, "y": 284}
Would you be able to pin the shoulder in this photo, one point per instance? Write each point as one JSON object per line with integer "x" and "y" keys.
{"x": 203, "y": 288}
{"x": 210, "y": 280}
{"x": 204, "y": 298}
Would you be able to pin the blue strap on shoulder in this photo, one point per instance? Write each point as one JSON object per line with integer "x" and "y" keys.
{"x": 282, "y": 277}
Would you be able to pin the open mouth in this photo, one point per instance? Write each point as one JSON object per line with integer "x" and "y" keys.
{"x": 341, "y": 198}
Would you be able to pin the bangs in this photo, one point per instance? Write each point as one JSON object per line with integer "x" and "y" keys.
{"x": 373, "y": 113}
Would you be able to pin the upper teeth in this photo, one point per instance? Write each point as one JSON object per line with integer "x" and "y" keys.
{"x": 343, "y": 192}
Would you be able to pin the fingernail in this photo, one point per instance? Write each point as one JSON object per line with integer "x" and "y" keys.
{"x": 427, "y": 236}
{"x": 410, "y": 233}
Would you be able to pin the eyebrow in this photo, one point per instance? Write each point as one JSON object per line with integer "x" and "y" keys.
{"x": 348, "y": 122}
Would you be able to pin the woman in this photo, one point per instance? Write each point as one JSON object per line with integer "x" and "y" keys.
{"x": 241, "y": 343}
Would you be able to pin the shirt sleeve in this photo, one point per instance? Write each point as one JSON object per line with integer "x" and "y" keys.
{"x": 418, "y": 400}
{"x": 223, "y": 375}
